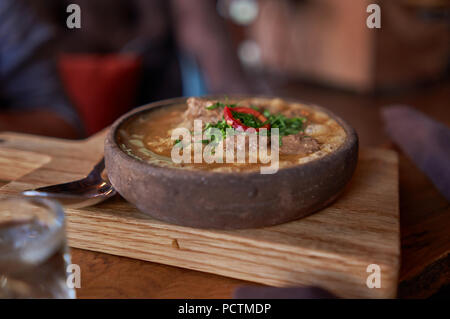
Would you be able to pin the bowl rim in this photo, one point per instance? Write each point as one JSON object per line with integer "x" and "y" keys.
{"x": 351, "y": 140}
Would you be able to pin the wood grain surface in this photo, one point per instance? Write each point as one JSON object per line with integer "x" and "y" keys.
{"x": 15, "y": 164}
{"x": 331, "y": 249}
{"x": 424, "y": 212}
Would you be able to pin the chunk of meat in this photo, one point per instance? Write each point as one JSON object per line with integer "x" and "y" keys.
{"x": 298, "y": 144}
{"x": 197, "y": 110}
{"x": 296, "y": 113}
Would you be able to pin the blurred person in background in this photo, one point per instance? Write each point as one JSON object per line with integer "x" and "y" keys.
{"x": 31, "y": 98}
{"x": 184, "y": 44}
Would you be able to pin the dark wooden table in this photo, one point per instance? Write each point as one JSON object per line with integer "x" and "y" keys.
{"x": 424, "y": 214}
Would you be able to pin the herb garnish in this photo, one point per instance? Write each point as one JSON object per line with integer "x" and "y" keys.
{"x": 177, "y": 142}
{"x": 248, "y": 119}
{"x": 221, "y": 125}
{"x": 286, "y": 126}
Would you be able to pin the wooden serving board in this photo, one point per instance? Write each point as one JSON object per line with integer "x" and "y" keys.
{"x": 331, "y": 249}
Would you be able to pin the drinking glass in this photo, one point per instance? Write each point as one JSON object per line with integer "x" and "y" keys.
{"x": 33, "y": 251}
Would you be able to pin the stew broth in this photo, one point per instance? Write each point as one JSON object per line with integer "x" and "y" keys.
{"x": 147, "y": 136}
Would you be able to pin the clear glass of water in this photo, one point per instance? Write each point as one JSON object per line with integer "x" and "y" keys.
{"x": 33, "y": 251}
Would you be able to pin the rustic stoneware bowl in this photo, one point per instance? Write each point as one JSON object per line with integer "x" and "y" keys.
{"x": 229, "y": 200}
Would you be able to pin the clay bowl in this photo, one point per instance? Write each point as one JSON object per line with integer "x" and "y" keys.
{"x": 229, "y": 200}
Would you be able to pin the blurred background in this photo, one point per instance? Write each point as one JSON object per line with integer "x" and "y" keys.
{"x": 131, "y": 52}
{"x": 72, "y": 83}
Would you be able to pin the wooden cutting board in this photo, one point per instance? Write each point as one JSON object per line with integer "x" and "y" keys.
{"x": 331, "y": 249}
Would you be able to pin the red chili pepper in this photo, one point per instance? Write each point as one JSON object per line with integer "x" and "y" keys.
{"x": 237, "y": 124}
